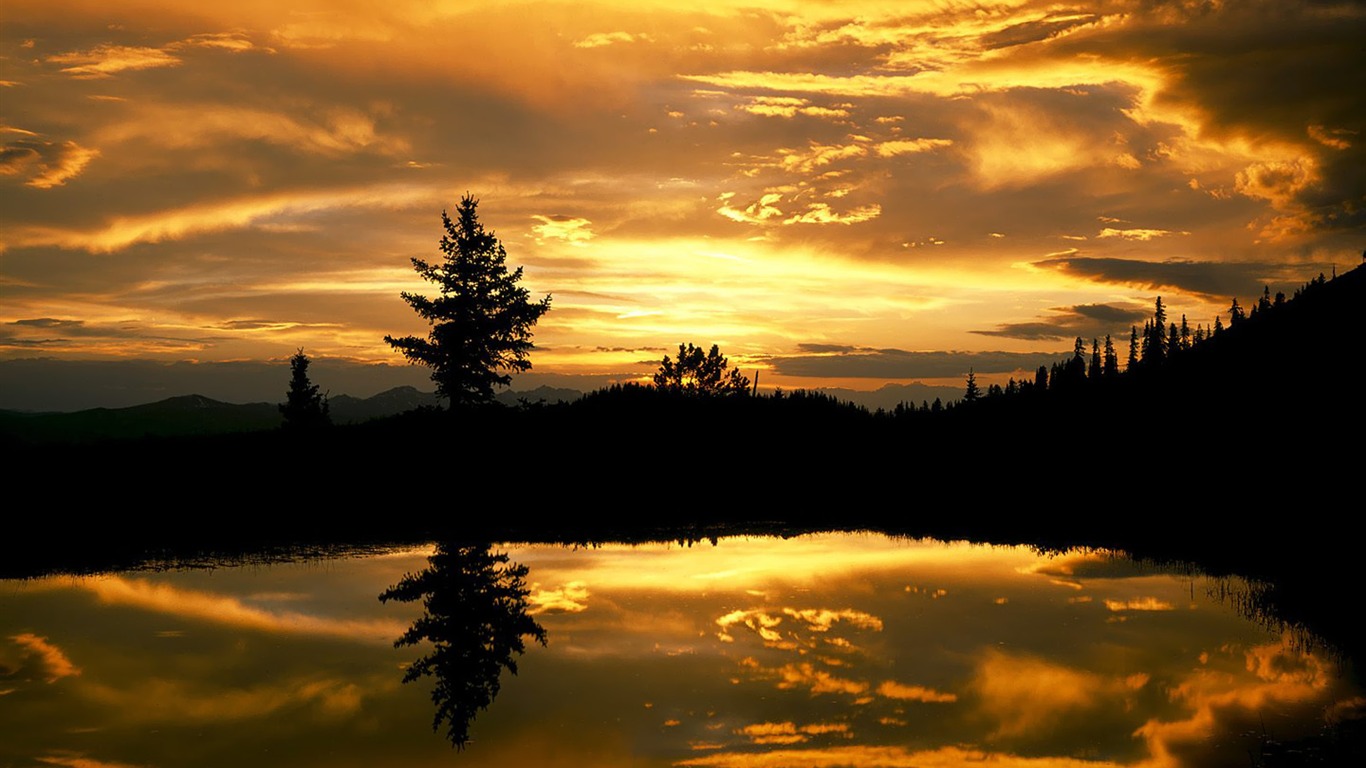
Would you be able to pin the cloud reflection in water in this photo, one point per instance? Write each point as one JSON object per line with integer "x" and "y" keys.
{"x": 833, "y": 650}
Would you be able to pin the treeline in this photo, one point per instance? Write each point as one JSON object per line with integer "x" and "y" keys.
{"x": 1280, "y": 338}
{"x": 1149, "y": 352}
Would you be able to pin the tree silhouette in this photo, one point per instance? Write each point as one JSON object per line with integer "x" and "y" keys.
{"x": 481, "y": 321}
{"x": 1155, "y": 336}
{"x": 304, "y": 407}
{"x": 476, "y": 618}
{"x": 1235, "y": 314}
{"x": 972, "y": 393}
{"x": 696, "y": 373}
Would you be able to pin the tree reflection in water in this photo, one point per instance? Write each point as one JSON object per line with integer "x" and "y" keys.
{"x": 476, "y": 619}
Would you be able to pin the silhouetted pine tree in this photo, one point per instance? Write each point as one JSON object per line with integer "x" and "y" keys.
{"x": 304, "y": 406}
{"x": 482, "y": 318}
{"x": 972, "y": 393}
{"x": 1155, "y": 342}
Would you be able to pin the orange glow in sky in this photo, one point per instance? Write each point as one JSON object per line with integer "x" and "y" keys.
{"x": 861, "y": 192}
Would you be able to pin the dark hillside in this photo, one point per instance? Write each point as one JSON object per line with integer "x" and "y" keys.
{"x": 1281, "y": 387}
{"x": 1249, "y": 444}
{"x": 184, "y": 415}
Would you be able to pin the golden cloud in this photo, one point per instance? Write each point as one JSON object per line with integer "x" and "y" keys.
{"x": 123, "y": 231}
{"x": 822, "y": 619}
{"x": 862, "y": 756}
{"x": 1026, "y": 695}
{"x": 326, "y": 131}
{"x": 1015, "y": 144}
{"x": 567, "y": 598}
{"x": 822, "y": 213}
{"x": 757, "y": 212}
{"x": 1222, "y": 701}
{"x": 106, "y": 60}
{"x": 80, "y": 760}
{"x": 757, "y": 620}
{"x": 910, "y": 146}
{"x": 804, "y": 675}
{"x": 789, "y": 106}
{"x": 894, "y": 690}
{"x": 818, "y": 155}
{"x": 574, "y": 231}
{"x": 1279, "y": 663}
{"x": 1278, "y": 181}
{"x": 601, "y": 39}
{"x": 52, "y": 664}
{"x": 1334, "y": 138}
{"x": 1139, "y": 604}
{"x": 235, "y": 42}
{"x": 1137, "y": 234}
{"x": 47, "y": 164}
{"x": 790, "y": 733}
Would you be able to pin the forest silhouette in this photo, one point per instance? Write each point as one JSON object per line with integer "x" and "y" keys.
{"x": 1243, "y": 441}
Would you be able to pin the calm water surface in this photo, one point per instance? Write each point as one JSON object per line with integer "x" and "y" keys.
{"x": 828, "y": 650}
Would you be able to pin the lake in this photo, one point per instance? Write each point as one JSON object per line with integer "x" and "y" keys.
{"x": 816, "y": 650}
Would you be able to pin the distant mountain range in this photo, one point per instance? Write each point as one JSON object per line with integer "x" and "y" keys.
{"x": 199, "y": 415}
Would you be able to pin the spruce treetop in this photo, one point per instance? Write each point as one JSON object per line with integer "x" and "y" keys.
{"x": 482, "y": 317}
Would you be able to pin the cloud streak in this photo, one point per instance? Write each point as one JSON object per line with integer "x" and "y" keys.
{"x": 905, "y": 364}
{"x": 219, "y": 609}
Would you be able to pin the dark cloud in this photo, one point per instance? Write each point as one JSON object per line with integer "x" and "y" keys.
{"x": 901, "y": 364}
{"x": 43, "y": 164}
{"x": 15, "y": 155}
{"x": 817, "y": 349}
{"x": 1264, "y": 71}
{"x": 49, "y": 331}
{"x": 50, "y": 322}
{"x": 247, "y": 325}
{"x": 1094, "y": 565}
{"x": 1085, "y": 320}
{"x": 1210, "y": 279}
{"x": 1030, "y": 331}
{"x": 1106, "y": 313}
{"x": 1034, "y": 31}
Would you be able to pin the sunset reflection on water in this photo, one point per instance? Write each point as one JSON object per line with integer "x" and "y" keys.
{"x": 826, "y": 650}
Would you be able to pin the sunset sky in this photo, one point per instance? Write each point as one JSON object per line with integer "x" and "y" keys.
{"x": 844, "y": 194}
